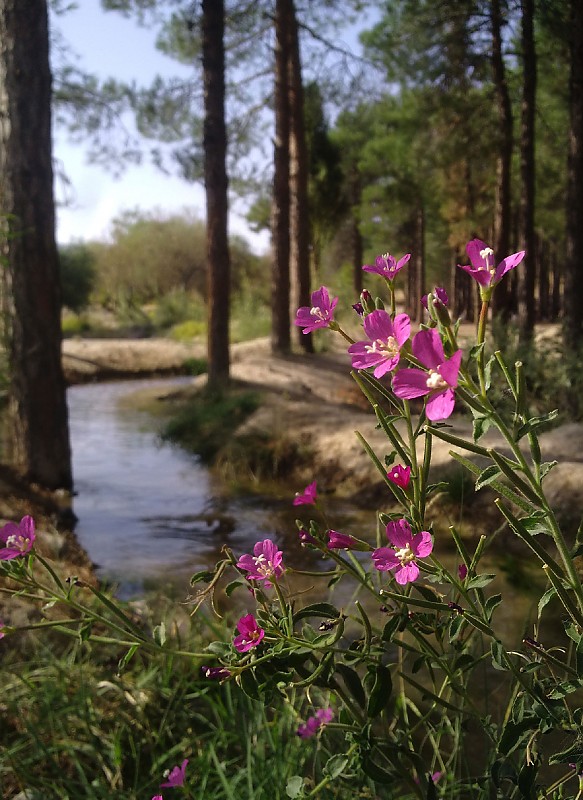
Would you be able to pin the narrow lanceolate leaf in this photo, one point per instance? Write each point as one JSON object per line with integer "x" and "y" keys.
{"x": 380, "y": 692}
{"x": 498, "y": 487}
{"x": 317, "y": 610}
{"x": 536, "y": 422}
{"x": 353, "y": 683}
{"x": 487, "y": 476}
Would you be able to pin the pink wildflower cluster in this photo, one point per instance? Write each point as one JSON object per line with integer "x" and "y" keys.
{"x": 18, "y": 538}
{"x": 400, "y": 475}
{"x": 482, "y": 268}
{"x": 308, "y": 497}
{"x": 250, "y": 634}
{"x": 264, "y": 564}
{"x": 382, "y": 349}
{"x": 405, "y": 549}
{"x": 319, "y": 315}
{"x": 387, "y": 266}
{"x": 175, "y": 777}
{"x": 437, "y": 381}
{"x": 313, "y": 724}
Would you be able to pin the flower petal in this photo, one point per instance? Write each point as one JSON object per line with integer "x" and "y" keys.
{"x": 378, "y": 325}
{"x": 473, "y": 249}
{"x": 428, "y": 348}
{"x": 449, "y": 370}
{"x": 409, "y": 383}
{"x": 402, "y": 328}
{"x": 399, "y": 533}
{"x": 507, "y": 264}
{"x": 440, "y": 406}
{"x": 422, "y": 544}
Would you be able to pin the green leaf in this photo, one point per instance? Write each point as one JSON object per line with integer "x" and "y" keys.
{"x": 536, "y": 422}
{"x": 499, "y": 487}
{"x": 392, "y": 626}
{"x": 380, "y": 692}
{"x": 353, "y": 683}
{"x": 204, "y": 576}
{"x": 488, "y": 371}
{"x": 546, "y": 467}
{"x": 535, "y": 525}
{"x": 378, "y": 774}
{"x": 479, "y": 581}
{"x": 476, "y": 350}
{"x": 248, "y": 684}
{"x": 159, "y": 634}
{"x": 574, "y": 753}
{"x": 491, "y": 604}
{"x": 317, "y": 610}
{"x": 514, "y": 733}
{"x": 219, "y": 648}
{"x": 336, "y": 765}
{"x": 579, "y": 658}
{"x": 498, "y": 661}
{"x": 487, "y": 476}
{"x": 294, "y": 786}
{"x": 526, "y": 779}
{"x": 564, "y": 688}
{"x": 481, "y": 426}
{"x": 123, "y": 662}
{"x": 230, "y": 587}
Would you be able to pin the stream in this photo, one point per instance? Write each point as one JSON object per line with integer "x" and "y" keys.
{"x": 150, "y": 514}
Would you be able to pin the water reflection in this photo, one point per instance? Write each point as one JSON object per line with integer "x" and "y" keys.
{"x": 150, "y": 514}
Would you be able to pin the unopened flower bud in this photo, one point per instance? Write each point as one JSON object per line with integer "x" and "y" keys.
{"x": 367, "y": 301}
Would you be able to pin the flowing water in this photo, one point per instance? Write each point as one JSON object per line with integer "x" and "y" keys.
{"x": 150, "y": 515}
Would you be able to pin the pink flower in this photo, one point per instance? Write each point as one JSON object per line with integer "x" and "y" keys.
{"x": 319, "y": 315}
{"x": 18, "y": 539}
{"x": 157, "y": 797}
{"x": 340, "y": 541}
{"x": 386, "y": 265}
{"x": 308, "y": 497}
{"x": 400, "y": 475}
{"x": 438, "y": 383}
{"x": 175, "y": 776}
{"x": 439, "y": 295}
{"x": 2, "y": 626}
{"x": 462, "y": 572}
{"x": 215, "y": 673}
{"x": 313, "y": 724}
{"x": 405, "y": 549}
{"x": 482, "y": 267}
{"x": 385, "y": 339}
{"x": 250, "y": 634}
{"x": 264, "y": 564}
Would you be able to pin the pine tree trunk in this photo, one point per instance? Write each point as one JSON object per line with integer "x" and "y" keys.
{"x": 299, "y": 205}
{"x": 502, "y": 211}
{"x": 573, "y": 263}
{"x": 216, "y": 186}
{"x": 38, "y": 432}
{"x": 280, "y": 285}
{"x": 526, "y": 274}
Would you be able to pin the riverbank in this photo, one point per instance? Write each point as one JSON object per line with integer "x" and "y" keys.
{"x": 311, "y": 402}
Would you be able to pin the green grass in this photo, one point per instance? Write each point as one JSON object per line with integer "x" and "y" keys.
{"x": 73, "y": 728}
{"x": 206, "y": 421}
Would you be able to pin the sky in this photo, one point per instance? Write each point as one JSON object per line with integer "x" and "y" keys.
{"x": 107, "y": 44}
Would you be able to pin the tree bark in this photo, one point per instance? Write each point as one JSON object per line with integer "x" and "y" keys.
{"x": 573, "y": 264}
{"x": 38, "y": 431}
{"x": 502, "y": 211}
{"x": 299, "y": 203}
{"x": 280, "y": 286}
{"x": 527, "y": 272}
{"x": 216, "y": 186}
